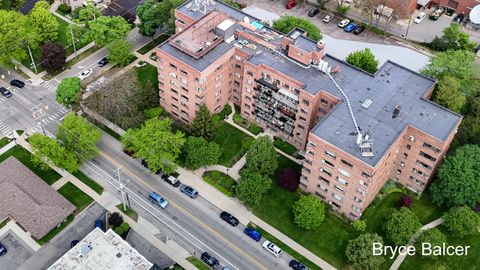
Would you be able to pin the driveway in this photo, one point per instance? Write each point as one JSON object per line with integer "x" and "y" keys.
{"x": 17, "y": 251}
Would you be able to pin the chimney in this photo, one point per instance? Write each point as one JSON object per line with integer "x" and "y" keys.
{"x": 396, "y": 111}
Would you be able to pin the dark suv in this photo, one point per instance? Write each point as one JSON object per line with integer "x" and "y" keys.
{"x": 229, "y": 218}
{"x": 210, "y": 260}
{"x": 17, "y": 83}
{"x": 4, "y": 91}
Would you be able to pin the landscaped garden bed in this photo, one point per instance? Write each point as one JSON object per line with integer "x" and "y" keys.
{"x": 284, "y": 146}
{"x": 252, "y": 127}
{"x": 220, "y": 181}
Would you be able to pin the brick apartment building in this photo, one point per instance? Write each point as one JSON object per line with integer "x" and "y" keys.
{"x": 405, "y": 7}
{"x": 357, "y": 129}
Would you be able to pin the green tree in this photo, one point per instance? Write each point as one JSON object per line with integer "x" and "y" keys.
{"x": 79, "y": 136}
{"x": 359, "y": 252}
{"x": 155, "y": 142}
{"x": 252, "y": 186}
{"x": 287, "y": 23}
{"x": 401, "y": 226}
{"x": 457, "y": 64}
{"x": 458, "y": 177}
{"x": 47, "y": 150}
{"x": 150, "y": 20}
{"x": 106, "y": 29}
{"x": 53, "y": 56}
{"x": 308, "y": 212}
{"x": 322, "y": 3}
{"x": 433, "y": 236}
{"x": 262, "y": 157}
{"x": 13, "y": 36}
{"x": 454, "y": 39}
{"x": 89, "y": 13}
{"x": 359, "y": 225}
{"x": 461, "y": 221}
{"x": 202, "y": 125}
{"x": 68, "y": 91}
{"x": 363, "y": 59}
{"x": 449, "y": 94}
{"x": 119, "y": 52}
{"x": 43, "y": 22}
{"x": 200, "y": 153}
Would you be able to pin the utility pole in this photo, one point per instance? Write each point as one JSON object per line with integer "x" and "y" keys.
{"x": 73, "y": 40}
{"x": 31, "y": 57}
{"x": 125, "y": 200}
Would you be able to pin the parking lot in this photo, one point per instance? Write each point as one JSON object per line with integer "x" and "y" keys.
{"x": 17, "y": 251}
{"x": 124, "y": 8}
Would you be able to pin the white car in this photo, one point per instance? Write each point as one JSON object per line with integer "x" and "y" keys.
{"x": 272, "y": 248}
{"x": 328, "y": 18}
{"x": 343, "y": 23}
{"x": 420, "y": 17}
{"x": 85, "y": 74}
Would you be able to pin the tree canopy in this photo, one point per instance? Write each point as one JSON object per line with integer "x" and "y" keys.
{"x": 68, "y": 91}
{"x": 53, "y": 56}
{"x": 457, "y": 64}
{"x": 199, "y": 152}
{"x": 106, "y": 29}
{"x": 252, "y": 186}
{"x": 262, "y": 156}
{"x": 89, "y": 13}
{"x": 156, "y": 143}
{"x": 43, "y": 22}
{"x": 148, "y": 13}
{"x": 401, "y": 226}
{"x": 202, "y": 125}
{"x": 79, "y": 136}
{"x": 433, "y": 236}
{"x": 308, "y": 212}
{"x": 359, "y": 252}
{"x": 119, "y": 52}
{"x": 287, "y": 23}
{"x": 453, "y": 39}
{"x": 13, "y": 30}
{"x": 449, "y": 94}
{"x": 363, "y": 59}
{"x": 458, "y": 177}
{"x": 47, "y": 150}
{"x": 461, "y": 221}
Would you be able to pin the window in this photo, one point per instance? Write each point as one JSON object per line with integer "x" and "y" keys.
{"x": 303, "y": 111}
{"x": 416, "y": 181}
{"x": 173, "y": 66}
{"x": 424, "y": 165}
{"x": 249, "y": 73}
{"x": 328, "y": 163}
{"x": 324, "y": 101}
{"x": 320, "y": 195}
{"x": 322, "y": 187}
{"x": 361, "y": 192}
{"x": 173, "y": 75}
{"x": 185, "y": 98}
{"x": 324, "y": 180}
{"x": 363, "y": 183}
{"x": 434, "y": 149}
{"x": 402, "y": 164}
{"x": 356, "y": 209}
{"x": 357, "y": 200}
{"x": 364, "y": 174}
{"x": 427, "y": 156}
{"x": 303, "y": 119}
{"x": 409, "y": 146}
{"x": 346, "y": 163}
{"x": 337, "y": 197}
{"x": 330, "y": 154}
{"x": 325, "y": 172}
{"x": 307, "y": 170}
{"x": 339, "y": 188}
{"x": 311, "y": 153}
{"x": 306, "y": 102}
{"x": 238, "y": 58}
{"x": 311, "y": 144}
{"x": 174, "y": 91}
{"x": 405, "y": 155}
{"x": 180, "y": 21}
{"x": 399, "y": 171}
{"x": 308, "y": 161}
{"x": 184, "y": 73}
{"x": 345, "y": 173}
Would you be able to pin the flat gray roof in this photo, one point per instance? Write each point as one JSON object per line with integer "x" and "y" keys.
{"x": 30, "y": 201}
{"x": 393, "y": 85}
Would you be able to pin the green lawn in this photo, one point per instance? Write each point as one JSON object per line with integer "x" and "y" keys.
{"x": 75, "y": 196}
{"x": 197, "y": 263}
{"x": 89, "y": 182}
{"x": 148, "y": 73}
{"x": 327, "y": 242}
{"x": 468, "y": 262}
{"x": 233, "y": 143}
{"x": 284, "y": 146}
{"x": 55, "y": 231}
{"x": 220, "y": 181}
{"x": 4, "y": 141}
{"x": 50, "y": 176}
{"x": 132, "y": 214}
{"x": 152, "y": 44}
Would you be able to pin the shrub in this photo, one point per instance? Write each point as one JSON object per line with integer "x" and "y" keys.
{"x": 288, "y": 179}
{"x": 359, "y": 225}
{"x": 343, "y": 9}
{"x": 401, "y": 226}
{"x": 153, "y": 112}
{"x": 115, "y": 219}
{"x": 308, "y": 212}
{"x": 64, "y": 9}
{"x": 433, "y": 236}
{"x": 284, "y": 146}
{"x": 255, "y": 129}
{"x": 405, "y": 201}
{"x": 390, "y": 187}
{"x": 359, "y": 252}
{"x": 461, "y": 221}
{"x": 122, "y": 229}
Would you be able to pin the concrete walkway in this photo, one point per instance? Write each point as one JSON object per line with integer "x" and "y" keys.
{"x": 398, "y": 261}
{"x": 109, "y": 202}
{"x": 7, "y": 147}
{"x": 25, "y": 236}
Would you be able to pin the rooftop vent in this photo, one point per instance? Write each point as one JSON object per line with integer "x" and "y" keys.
{"x": 367, "y": 103}
{"x": 396, "y": 111}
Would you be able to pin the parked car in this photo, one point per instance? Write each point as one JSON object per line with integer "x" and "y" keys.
{"x": 17, "y": 83}
{"x": 291, "y": 4}
{"x": 343, "y": 23}
{"x": 420, "y": 17}
{"x": 103, "y": 62}
{"x": 459, "y": 18}
{"x": 296, "y": 265}
{"x": 272, "y": 248}
{"x": 153, "y": 56}
{"x": 436, "y": 13}
{"x": 449, "y": 11}
{"x": 85, "y": 74}
{"x": 191, "y": 192}
{"x": 74, "y": 243}
{"x": 252, "y": 233}
{"x": 5, "y": 92}
{"x": 3, "y": 250}
{"x": 172, "y": 180}
{"x": 313, "y": 12}
{"x": 350, "y": 27}
{"x": 229, "y": 218}
{"x": 359, "y": 30}
{"x": 141, "y": 64}
{"x": 328, "y": 18}
{"x": 99, "y": 224}
{"x": 156, "y": 198}
{"x": 210, "y": 260}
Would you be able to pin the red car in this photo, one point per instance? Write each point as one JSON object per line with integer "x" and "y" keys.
{"x": 291, "y": 4}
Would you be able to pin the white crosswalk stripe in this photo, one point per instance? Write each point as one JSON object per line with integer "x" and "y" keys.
{"x": 50, "y": 87}
{"x": 4, "y": 128}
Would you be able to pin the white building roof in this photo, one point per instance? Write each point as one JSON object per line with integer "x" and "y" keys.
{"x": 102, "y": 251}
